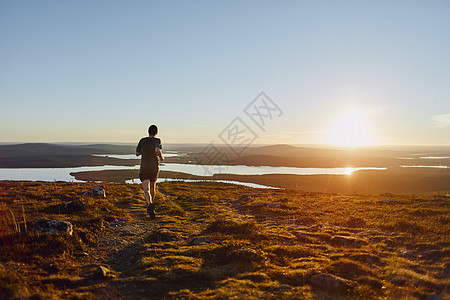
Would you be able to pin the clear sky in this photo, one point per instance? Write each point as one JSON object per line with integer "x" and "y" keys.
{"x": 373, "y": 72}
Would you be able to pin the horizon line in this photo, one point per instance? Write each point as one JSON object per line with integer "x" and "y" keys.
{"x": 225, "y": 145}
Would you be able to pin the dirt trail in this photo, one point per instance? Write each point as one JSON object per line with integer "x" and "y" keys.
{"x": 119, "y": 249}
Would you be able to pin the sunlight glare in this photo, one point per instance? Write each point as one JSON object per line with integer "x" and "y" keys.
{"x": 349, "y": 129}
{"x": 348, "y": 171}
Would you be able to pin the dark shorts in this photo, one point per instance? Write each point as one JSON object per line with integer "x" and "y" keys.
{"x": 148, "y": 176}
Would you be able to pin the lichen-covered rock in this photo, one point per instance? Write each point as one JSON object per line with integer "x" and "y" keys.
{"x": 54, "y": 227}
{"x": 96, "y": 191}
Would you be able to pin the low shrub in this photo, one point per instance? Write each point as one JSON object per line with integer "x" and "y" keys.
{"x": 232, "y": 227}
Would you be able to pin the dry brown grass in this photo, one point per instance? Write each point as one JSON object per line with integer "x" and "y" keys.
{"x": 217, "y": 241}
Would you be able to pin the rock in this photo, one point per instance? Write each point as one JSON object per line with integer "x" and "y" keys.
{"x": 283, "y": 200}
{"x": 329, "y": 282}
{"x": 103, "y": 273}
{"x": 201, "y": 240}
{"x": 284, "y": 287}
{"x": 73, "y": 207}
{"x": 347, "y": 241}
{"x": 96, "y": 191}
{"x": 388, "y": 201}
{"x": 54, "y": 227}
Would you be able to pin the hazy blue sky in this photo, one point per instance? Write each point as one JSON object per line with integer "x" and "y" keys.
{"x": 103, "y": 71}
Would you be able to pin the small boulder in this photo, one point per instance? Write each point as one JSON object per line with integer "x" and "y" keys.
{"x": 73, "y": 207}
{"x": 200, "y": 241}
{"x": 284, "y": 287}
{"x": 54, "y": 227}
{"x": 96, "y": 191}
{"x": 103, "y": 272}
{"x": 329, "y": 282}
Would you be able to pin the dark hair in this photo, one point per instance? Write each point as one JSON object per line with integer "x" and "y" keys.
{"x": 152, "y": 130}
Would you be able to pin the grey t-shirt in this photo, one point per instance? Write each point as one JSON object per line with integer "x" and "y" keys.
{"x": 149, "y": 161}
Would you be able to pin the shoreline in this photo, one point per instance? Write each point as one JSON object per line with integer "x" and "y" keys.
{"x": 393, "y": 180}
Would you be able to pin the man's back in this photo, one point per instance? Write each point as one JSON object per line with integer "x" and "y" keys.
{"x": 149, "y": 160}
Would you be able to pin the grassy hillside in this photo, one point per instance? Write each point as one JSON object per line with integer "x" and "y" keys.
{"x": 217, "y": 241}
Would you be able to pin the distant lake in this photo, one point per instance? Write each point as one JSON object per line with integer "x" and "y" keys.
{"x": 51, "y": 174}
{"x": 63, "y": 174}
{"x": 425, "y": 157}
{"x": 209, "y": 170}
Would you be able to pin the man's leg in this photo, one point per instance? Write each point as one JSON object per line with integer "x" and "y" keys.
{"x": 149, "y": 193}
{"x": 146, "y": 186}
{"x": 152, "y": 190}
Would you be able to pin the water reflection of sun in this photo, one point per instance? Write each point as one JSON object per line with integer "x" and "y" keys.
{"x": 348, "y": 171}
{"x": 349, "y": 129}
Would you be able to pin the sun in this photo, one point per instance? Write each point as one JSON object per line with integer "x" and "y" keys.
{"x": 349, "y": 129}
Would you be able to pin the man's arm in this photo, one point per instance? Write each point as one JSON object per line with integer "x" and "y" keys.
{"x": 159, "y": 153}
{"x": 139, "y": 148}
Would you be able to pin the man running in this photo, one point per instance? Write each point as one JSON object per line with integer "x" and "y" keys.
{"x": 150, "y": 149}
